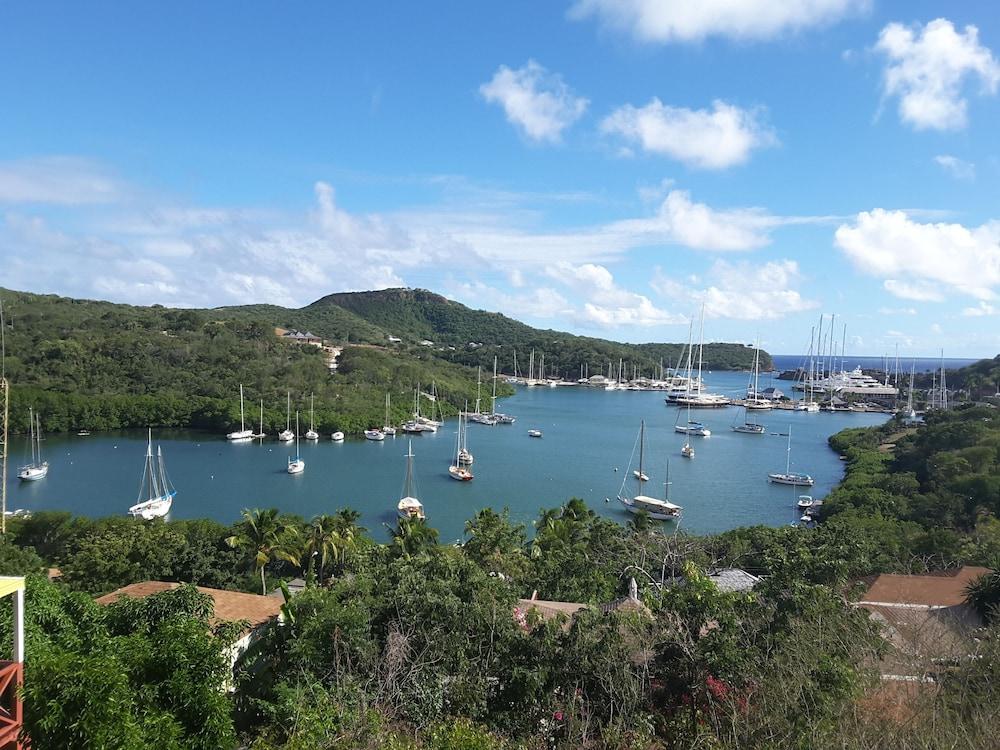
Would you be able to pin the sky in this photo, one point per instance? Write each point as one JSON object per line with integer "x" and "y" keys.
{"x": 604, "y": 167}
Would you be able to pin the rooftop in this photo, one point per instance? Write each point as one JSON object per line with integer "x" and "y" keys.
{"x": 944, "y": 589}
{"x": 230, "y": 606}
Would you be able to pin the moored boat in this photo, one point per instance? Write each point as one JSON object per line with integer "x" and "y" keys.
{"x": 656, "y": 508}
{"x": 156, "y": 494}
{"x": 37, "y": 469}
{"x": 241, "y": 435}
{"x": 374, "y": 434}
{"x": 796, "y": 479}
{"x": 286, "y": 435}
{"x": 296, "y": 465}
{"x": 409, "y": 506}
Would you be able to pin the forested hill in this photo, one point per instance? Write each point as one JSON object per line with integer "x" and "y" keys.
{"x": 415, "y": 315}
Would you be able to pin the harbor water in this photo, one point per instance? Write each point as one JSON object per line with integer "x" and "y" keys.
{"x": 588, "y": 439}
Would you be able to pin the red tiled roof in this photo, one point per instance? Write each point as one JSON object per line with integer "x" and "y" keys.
{"x": 942, "y": 590}
{"x": 230, "y": 606}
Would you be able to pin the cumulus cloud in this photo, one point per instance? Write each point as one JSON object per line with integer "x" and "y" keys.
{"x": 540, "y": 302}
{"x": 715, "y": 138}
{"x": 915, "y": 258}
{"x": 918, "y": 291}
{"x": 608, "y": 304}
{"x": 983, "y": 308}
{"x": 741, "y": 291}
{"x": 897, "y": 311}
{"x": 957, "y": 168}
{"x": 927, "y": 68}
{"x": 685, "y": 21}
{"x": 57, "y": 180}
{"x": 537, "y": 102}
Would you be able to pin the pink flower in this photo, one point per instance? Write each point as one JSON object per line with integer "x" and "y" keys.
{"x": 558, "y": 716}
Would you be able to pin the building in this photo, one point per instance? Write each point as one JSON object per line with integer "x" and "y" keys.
{"x": 12, "y": 670}
{"x": 533, "y": 610}
{"x": 925, "y": 619}
{"x": 258, "y": 612}
{"x": 300, "y": 337}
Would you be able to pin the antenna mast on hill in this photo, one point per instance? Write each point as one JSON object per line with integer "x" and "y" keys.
{"x": 5, "y": 397}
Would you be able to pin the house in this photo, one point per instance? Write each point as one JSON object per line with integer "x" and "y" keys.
{"x": 925, "y": 619}
{"x": 299, "y": 337}
{"x": 258, "y": 612}
{"x": 529, "y": 611}
{"x": 732, "y": 580}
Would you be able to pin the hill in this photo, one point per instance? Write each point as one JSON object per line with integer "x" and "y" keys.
{"x": 415, "y": 315}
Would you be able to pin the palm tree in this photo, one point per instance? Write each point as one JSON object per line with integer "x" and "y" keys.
{"x": 323, "y": 541}
{"x": 413, "y": 535}
{"x": 267, "y": 536}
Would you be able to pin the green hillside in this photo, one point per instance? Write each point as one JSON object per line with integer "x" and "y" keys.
{"x": 416, "y": 314}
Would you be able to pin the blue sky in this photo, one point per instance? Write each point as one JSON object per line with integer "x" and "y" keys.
{"x": 598, "y": 166}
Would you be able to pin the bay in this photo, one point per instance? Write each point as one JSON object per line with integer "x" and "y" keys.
{"x": 589, "y": 436}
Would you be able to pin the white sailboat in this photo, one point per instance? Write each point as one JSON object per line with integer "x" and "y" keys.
{"x": 261, "y": 435}
{"x": 746, "y": 426}
{"x": 387, "y": 428}
{"x": 655, "y": 508}
{"x": 337, "y": 437}
{"x": 910, "y": 415}
{"x": 286, "y": 435}
{"x": 375, "y": 434}
{"x": 465, "y": 458}
{"x": 311, "y": 433}
{"x": 498, "y": 417}
{"x": 790, "y": 477}
{"x": 296, "y": 465}
{"x": 409, "y": 506}
{"x": 37, "y": 469}
{"x": 701, "y": 399}
{"x": 457, "y": 470}
{"x": 156, "y": 494}
{"x": 241, "y": 435}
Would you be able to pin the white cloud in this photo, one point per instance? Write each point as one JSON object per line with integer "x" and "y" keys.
{"x": 536, "y": 101}
{"x": 607, "y": 304}
{"x": 957, "y": 168}
{"x": 741, "y": 291}
{"x": 897, "y": 311}
{"x": 983, "y": 308}
{"x": 927, "y": 68}
{"x": 915, "y": 257}
{"x": 706, "y": 139}
{"x": 539, "y": 303}
{"x": 686, "y": 21}
{"x": 57, "y": 180}
{"x": 918, "y": 291}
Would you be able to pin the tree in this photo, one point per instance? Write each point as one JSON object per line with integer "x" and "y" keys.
{"x": 412, "y": 536}
{"x": 266, "y": 536}
{"x": 323, "y": 541}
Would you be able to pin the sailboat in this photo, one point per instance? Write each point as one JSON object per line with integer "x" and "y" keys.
{"x": 910, "y": 415}
{"x": 311, "y": 433}
{"x": 430, "y": 423}
{"x": 789, "y": 477}
{"x": 457, "y": 470}
{"x": 154, "y": 486}
{"x": 498, "y": 417}
{"x": 296, "y": 465}
{"x": 409, "y": 506}
{"x": 752, "y": 402}
{"x": 261, "y": 435}
{"x": 701, "y": 399}
{"x": 807, "y": 404}
{"x": 286, "y": 435}
{"x": 374, "y": 433}
{"x": 37, "y": 469}
{"x": 243, "y": 434}
{"x": 387, "y": 428}
{"x": 464, "y": 456}
{"x": 657, "y": 509}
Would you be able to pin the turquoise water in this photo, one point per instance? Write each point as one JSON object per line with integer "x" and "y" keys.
{"x": 588, "y": 434}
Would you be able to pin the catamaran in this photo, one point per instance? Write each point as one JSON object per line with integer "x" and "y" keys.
{"x": 311, "y": 433}
{"x": 296, "y": 465}
{"x": 409, "y": 506}
{"x": 241, "y": 435}
{"x": 790, "y": 477}
{"x": 655, "y": 508}
{"x": 458, "y": 470}
{"x": 387, "y": 428}
{"x": 154, "y": 486}
{"x": 37, "y": 469}
{"x": 286, "y": 435}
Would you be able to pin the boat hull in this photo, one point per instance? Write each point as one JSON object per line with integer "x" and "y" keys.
{"x": 697, "y": 431}
{"x": 286, "y": 436}
{"x": 155, "y": 508}
{"x": 460, "y": 474}
{"x": 794, "y": 480}
{"x": 337, "y": 437}
{"x": 240, "y": 436}
{"x": 750, "y": 429}
{"x": 375, "y": 435}
{"x": 296, "y": 467}
{"x": 656, "y": 515}
{"x": 33, "y": 473}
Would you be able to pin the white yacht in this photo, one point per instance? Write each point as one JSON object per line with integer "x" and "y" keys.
{"x": 296, "y": 465}
{"x": 286, "y": 435}
{"x": 409, "y": 506}
{"x": 241, "y": 435}
{"x": 656, "y": 508}
{"x": 337, "y": 437}
{"x": 156, "y": 494}
{"x": 387, "y": 428}
{"x": 311, "y": 433}
{"x": 37, "y": 469}
{"x": 374, "y": 434}
{"x": 795, "y": 479}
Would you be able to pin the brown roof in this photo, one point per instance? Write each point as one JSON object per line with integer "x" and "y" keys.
{"x": 549, "y": 610}
{"x": 946, "y": 589}
{"x": 230, "y": 606}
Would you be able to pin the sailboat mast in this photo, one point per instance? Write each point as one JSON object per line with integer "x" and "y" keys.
{"x": 312, "y": 407}
{"x": 642, "y": 448}
{"x": 408, "y": 488}
{"x": 493, "y": 401}
{"x": 262, "y": 417}
{"x": 288, "y": 411}
{"x": 479, "y": 386}
{"x": 38, "y": 436}
{"x": 701, "y": 344}
{"x": 31, "y": 434}
{"x": 788, "y": 452}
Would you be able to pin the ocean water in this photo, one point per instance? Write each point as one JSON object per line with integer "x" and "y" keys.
{"x": 589, "y": 438}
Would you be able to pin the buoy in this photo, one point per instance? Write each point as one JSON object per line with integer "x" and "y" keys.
{"x": 616, "y": 469}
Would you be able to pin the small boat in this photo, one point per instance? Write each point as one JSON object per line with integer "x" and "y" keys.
{"x": 460, "y": 470}
{"x": 37, "y": 469}
{"x": 788, "y": 476}
{"x": 286, "y": 435}
{"x": 154, "y": 486}
{"x": 687, "y": 451}
{"x": 749, "y": 428}
{"x": 534, "y": 433}
{"x": 415, "y": 428}
{"x": 693, "y": 428}
{"x": 83, "y": 433}
{"x": 387, "y": 429}
{"x": 805, "y": 502}
{"x": 261, "y": 435}
{"x": 409, "y": 506}
{"x": 806, "y": 518}
{"x": 337, "y": 437}
{"x": 241, "y": 435}
{"x": 296, "y": 465}
{"x": 374, "y": 434}
{"x": 639, "y": 475}
{"x": 311, "y": 433}
{"x": 656, "y": 508}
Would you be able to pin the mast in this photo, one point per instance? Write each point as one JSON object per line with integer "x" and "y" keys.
{"x": 493, "y": 401}
{"x": 262, "y": 417}
{"x": 296, "y": 436}
{"x": 666, "y": 482}
{"x": 31, "y": 434}
{"x": 909, "y": 395}
{"x": 701, "y": 345}
{"x": 479, "y": 384}
{"x": 642, "y": 447}
{"x": 288, "y": 412}
{"x": 38, "y": 438}
{"x": 944, "y": 387}
{"x": 408, "y": 484}
{"x": 312, "y": 405}
{"x": 788, "y": 452}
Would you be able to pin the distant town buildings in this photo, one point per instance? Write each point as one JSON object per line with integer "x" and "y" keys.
{"x": 299, "y": 337}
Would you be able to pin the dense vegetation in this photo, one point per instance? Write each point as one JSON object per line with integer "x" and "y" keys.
{"x": 98, "y": 365}
{"x": 414, "y": 644}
